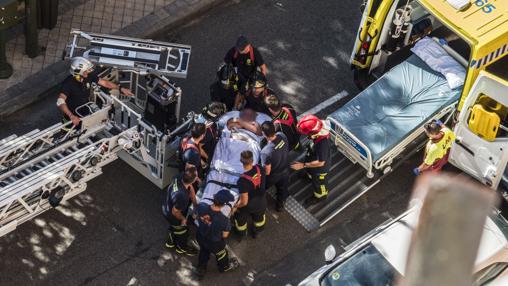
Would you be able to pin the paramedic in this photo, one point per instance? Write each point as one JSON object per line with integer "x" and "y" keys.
{"x": 179, "y": 196}
{"x": 209, "y": 116}
{"x": 252, "y": 202}
{"x": 274, "y": 158}
{"x": 317, "y": 159}
{"x": 213, "y": 229}
{"x": 225, "y": 89}
{"x": 76, "y": 88}
{"x": 284, "y": 119}
{"x": 190, "y": 148}
{"x": 246, "y": 59}
{"x": 257, "y": 91}
{"x": 438, "y": 147}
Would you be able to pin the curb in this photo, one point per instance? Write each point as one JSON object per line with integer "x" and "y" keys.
{"x": 41, "y": 83}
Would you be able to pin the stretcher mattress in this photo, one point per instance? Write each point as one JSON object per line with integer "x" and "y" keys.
{"x": 226, "y": 167}
{"x": 395, "y": 106}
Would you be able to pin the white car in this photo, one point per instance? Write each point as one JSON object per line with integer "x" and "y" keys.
{"x": 379, "y": 257}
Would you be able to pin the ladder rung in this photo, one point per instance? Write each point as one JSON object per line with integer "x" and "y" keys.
{"x": 10, "y": 138}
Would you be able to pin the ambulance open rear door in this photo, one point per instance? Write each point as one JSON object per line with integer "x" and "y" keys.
{"x": 481, "y": 147}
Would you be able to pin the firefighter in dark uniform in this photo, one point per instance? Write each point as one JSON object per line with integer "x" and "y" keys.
{"x": 178, "y": 199}
{"x": 190, "y": 149}
{"x": 76, "y": 89}
{"x": 317, "y": 159}
{"x": 284, "y": 119}
{"x": 209, "y": 116}
{"x": 257, "y": 91}
{"x": 246, "y": 59}
{"x": 274, "y": 158}
{"x": 225, "y": 89}
{"x": 214, "y": 227}
{"x": 252, "y": 202}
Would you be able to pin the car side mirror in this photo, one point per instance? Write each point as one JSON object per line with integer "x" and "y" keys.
{"x": 330, "y": 254}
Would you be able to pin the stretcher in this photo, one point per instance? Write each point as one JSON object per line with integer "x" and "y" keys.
{"x": 225, "y": 167}
{"x": 380, "y": 122}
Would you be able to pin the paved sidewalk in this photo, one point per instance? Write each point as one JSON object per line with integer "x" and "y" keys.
{"x": 135, "y": 18}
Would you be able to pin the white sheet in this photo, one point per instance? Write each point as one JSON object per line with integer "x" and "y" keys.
{"x": 226, "y": 166}
{"x": 439, "y": 60}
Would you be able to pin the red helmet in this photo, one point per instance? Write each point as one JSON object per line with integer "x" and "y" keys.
{"x": 309, "y": 125}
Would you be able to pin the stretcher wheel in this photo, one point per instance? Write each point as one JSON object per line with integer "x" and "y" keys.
{"x": 387, "y": 170}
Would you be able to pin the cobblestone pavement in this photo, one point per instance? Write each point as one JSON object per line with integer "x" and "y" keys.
{"x": 101, "y": 16}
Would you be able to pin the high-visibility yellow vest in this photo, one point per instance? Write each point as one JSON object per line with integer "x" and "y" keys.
{"x": 437, "y": 150}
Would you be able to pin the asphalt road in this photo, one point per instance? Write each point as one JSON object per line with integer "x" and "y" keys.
{"x": 113, "y": 234}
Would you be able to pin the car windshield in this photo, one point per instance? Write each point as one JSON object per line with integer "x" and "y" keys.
{"x": 367, "y": 268}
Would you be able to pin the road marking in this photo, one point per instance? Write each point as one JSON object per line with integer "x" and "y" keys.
{"x": 325, "y": 103}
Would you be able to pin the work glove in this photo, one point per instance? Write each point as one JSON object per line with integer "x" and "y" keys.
{"x": 439, "y": 122}
{"x": 416, "y": 171}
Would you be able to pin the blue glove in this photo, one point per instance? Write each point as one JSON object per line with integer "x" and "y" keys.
{"x": 416, "y": 171}
{"x": 443, "y": 42}
{"x": 439, "y": 122}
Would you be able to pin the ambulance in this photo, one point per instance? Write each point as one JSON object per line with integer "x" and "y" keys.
{"x": 418, "y": 60}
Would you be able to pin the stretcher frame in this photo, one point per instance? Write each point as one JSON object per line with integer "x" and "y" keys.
{"x": 348, "y": 144}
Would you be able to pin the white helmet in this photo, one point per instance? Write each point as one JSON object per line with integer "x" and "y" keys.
{"x": 80, "y": 65}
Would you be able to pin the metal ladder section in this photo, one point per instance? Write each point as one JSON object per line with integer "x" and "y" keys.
{"x": 59, "y": 173}
{"x": 14, "y": 150}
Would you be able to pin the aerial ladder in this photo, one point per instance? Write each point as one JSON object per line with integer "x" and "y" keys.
{"x": 43, "y": 168}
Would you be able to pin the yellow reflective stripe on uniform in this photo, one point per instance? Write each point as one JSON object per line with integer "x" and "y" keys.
{"x": 260, "y": 223}
{"x": 322, "y": 176}
{"x": 240, "y": 227}
{"x": 323, "y": 192}
{"x": 221, "y": 254}
{"x": 280, "y": 145}
{"x": 180, "y": 232}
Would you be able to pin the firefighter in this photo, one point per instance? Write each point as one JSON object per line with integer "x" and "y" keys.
{"x": 252, "y": 202}
{"x": 274, "y": 158}
{"x": 214, "y": 227}
{"x": 176, "y": 204}
{"x": 246, "y": 59}
{"x": 190, "y": 149}
{"x": 317, "y": 159}
{"x": 209, "y": 116}
{"x": 257, "y": 91}
{"x": 76, "y": 88}
{"x": 284, "y": 119}
{"x": 438, "y": 147}
{"x": 225, "y": 89}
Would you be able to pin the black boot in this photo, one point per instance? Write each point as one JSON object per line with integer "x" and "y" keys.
{"x": 199, "y": 272}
